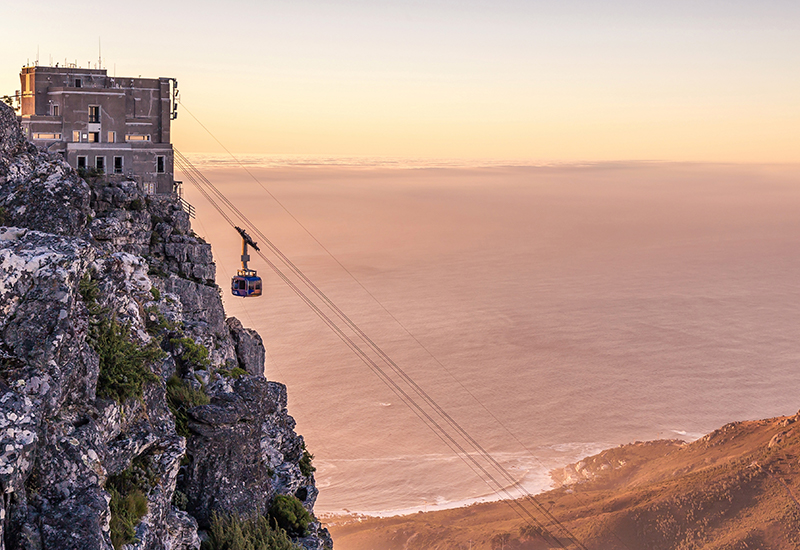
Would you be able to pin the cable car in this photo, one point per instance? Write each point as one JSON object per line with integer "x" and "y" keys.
{"x": 246, "y": 283}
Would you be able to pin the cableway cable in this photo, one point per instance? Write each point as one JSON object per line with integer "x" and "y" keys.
{"x": 529, "y": 496}
{"x": 390, "y": 362}
{"x": 201, "y": 182}
{"x": 454, "y": 446}
{"x": 198, "y": 177}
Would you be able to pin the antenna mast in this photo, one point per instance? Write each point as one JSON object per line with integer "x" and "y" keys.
{"x": 245, "y": 256}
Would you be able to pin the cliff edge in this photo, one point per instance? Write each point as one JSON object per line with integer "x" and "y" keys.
{"x": 133, "y": 413}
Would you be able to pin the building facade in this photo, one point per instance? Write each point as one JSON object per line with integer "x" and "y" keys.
{"x": 117, "y": 126}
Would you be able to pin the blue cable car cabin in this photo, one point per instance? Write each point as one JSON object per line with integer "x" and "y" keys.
{"x": 246, "y": 282}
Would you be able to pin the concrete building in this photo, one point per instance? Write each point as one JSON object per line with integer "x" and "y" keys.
{"x": 120, "y": 126}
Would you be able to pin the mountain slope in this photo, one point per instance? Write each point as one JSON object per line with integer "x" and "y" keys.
{"x": 736, "y": 488}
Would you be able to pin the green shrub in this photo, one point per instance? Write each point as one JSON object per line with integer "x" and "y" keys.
{"x": 91, "y": 173}
{"x": 192, "y": 353}
{"x": 235, "y": 372}
{"x": 181, "y": 397}
{"x": 87, "y": 287}
{"x": 306, "y": 468}
{"x": 126, "y": 513}
{"x": 137, "y": 204}
{"x": 128, "y": 491}
{"x": 155, "y": 322}
{"x": 124, "y": 365}
{"x": 180, "y": 500}
{"x": 236, "y": 533}
{"x": 156, "y": 293}
{"x": 157, "y": 271}
{"x": 3, "y": 215}
{"x": 288, "y": 513}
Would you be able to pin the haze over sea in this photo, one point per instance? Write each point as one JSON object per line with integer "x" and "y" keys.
{"x": 584, "y": 306}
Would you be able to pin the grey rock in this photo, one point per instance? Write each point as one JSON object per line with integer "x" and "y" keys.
{"x": 38, "y": 190}
{"x": 249, "y": 347}
{"x": 61, "y": 445}
{"x": 227, "y": 472}
{"x": 79, "y": 522}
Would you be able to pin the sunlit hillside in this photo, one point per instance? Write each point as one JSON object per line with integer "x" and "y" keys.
{"x": 733, "y": 489}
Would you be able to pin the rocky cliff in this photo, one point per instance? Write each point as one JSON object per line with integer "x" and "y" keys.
{"x": 128, "y": 402}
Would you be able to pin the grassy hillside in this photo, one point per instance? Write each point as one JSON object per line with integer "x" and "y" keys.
{"x": 734, "y": 489}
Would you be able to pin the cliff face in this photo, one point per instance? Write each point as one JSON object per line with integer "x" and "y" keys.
{"x": 120, "y": 373}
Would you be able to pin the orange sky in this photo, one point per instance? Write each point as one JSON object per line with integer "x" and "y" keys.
{"x": 532, "y": 81}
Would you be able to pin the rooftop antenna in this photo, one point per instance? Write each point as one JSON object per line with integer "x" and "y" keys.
{"x": 99, "y": 54}
{"x": 37, "y": 55}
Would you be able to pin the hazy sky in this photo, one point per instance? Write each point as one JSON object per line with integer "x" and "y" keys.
{"x": 536, "y": 81}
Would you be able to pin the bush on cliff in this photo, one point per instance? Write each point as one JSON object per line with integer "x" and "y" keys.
{"x": 306, "y": 467}
{"x": 181, "y": 397}
{"x": 128, "y": 491}
{"x": 126, "y": 513}
{"x": 288, "y": 513}
{"x": 191, "y": 353}
{"x": 124, "y": 364}
{"x": 236, "y": 533}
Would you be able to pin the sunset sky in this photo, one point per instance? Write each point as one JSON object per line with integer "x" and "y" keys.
{"x": 572, "y": 80}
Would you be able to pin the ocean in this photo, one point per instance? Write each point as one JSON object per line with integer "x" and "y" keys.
{"x": 569, "y": 308}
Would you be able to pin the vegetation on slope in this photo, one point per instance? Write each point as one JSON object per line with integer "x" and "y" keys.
{"x": 288, "y": 513}
{"x": 128, "y": 491}
{"x": 306, "y": 466}
{"x": 124, "y": 364}
{"x": 236, "y": 533}
{"x": 181, "y": 397}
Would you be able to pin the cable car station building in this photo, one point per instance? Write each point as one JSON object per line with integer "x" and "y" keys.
{"x": 115, "y": 126}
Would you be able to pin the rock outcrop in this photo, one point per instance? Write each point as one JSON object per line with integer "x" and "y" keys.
{"x": 119, "y": 373}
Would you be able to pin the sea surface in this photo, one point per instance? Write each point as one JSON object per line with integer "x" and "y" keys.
{"x": 563, "y": 309}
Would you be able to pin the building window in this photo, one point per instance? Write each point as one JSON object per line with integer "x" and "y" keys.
{"x": 76, "y": 136}
{"x": 112, "y": 137}
{"x": 55, "y": 110}
{"x": 49, "y": 136}
{"x": 160, "y": 164}
{"x": 94, "y": 137}
{"x": 82, "y": 163}
{"x": 78, "y": 83}
{"x": 94, "y": 113}
{"x": 117, "y": 165}
{"x": 100, "y": 164}
{"x": 150, "y": 188}
{"x": 137, "y": 137}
